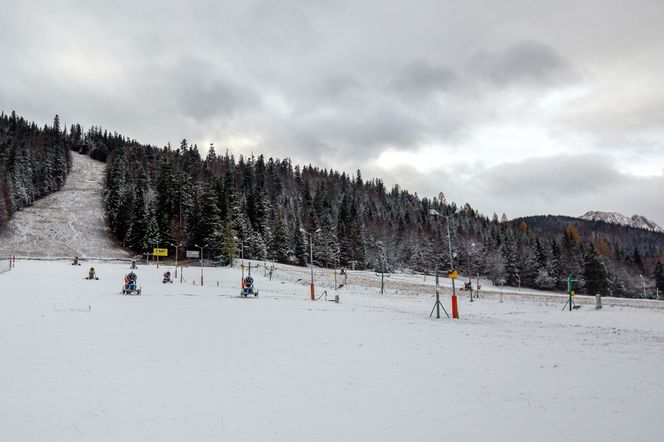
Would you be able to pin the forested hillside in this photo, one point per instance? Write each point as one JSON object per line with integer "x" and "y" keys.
{"x": 622, "y": 241}
{"x": 257, "y": 206}
{"x": 34, "y": 162}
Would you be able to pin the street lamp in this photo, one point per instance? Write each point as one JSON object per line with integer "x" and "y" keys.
{"x": 470, "y": 273}
{"x": 201, "y": 247}
{"x": 242, "y": 258}
{"x": 644, "y": 286}
{"x": 455, "y": 312}
{"x": 177, "y": 246}
{"x": 311, "y": 258}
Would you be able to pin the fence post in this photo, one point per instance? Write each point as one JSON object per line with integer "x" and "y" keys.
{"x": 598, "y": 301}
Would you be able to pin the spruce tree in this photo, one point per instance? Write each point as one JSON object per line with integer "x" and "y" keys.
{"x": 659, "y": 278}
{"x": 595, "y": 274}
{"x": 229, "y": 244}
{"x": 300, "y": 244}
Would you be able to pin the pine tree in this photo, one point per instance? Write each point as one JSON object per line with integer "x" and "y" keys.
{"x": 280, "y": 243}
{"x": 143, "y": 232}
{"x": 595, "y": 274}
{"x": 381, "y": 265}
{"x": 659, "y": 278}
{"x": 300, "y": 244}
{"x": 210, "y": 226}
{"x": 326, "y": 248}
{"x": 638, "y": 261}
{"x": 229, "y": 244}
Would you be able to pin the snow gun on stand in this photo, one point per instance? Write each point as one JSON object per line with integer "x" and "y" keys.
{"x": 130, "y": 286}
{"x": 248, "y": 288}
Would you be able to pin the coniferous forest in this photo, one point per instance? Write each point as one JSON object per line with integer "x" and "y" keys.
{"x": 257, "y": 207}
{"x": 34, "y": 161}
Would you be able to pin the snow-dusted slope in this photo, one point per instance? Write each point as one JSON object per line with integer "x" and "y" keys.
{"x": 637, "y": 221}
{"x": 181, "y": 362}
{"x": 67, "y": 223}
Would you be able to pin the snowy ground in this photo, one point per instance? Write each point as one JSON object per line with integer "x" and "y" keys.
{"x": 183, "y": 362}
{"x": 68, "y": 223}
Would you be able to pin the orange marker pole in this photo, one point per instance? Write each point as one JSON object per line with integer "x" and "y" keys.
{"x": 455, "y": 307}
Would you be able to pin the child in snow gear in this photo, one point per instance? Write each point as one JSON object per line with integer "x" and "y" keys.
{"x": 75, "y": 263}
{"x": 133, "y": 265}
{"x": 167, "y": 278}
{"x": 92, "y": 274}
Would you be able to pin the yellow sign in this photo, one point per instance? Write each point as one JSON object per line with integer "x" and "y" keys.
{"x": 453, "y": 274}
{"x": 160, "y": 252}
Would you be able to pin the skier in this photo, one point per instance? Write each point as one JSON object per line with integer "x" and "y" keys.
{"x": 167, "y": 277}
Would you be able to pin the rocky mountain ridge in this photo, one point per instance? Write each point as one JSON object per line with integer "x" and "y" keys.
{"x": 636, "y": 221}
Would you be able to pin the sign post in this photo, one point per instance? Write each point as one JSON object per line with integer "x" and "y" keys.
{"x": 570, "y": 294}
{"x": 160, "y": 252}
{"x": 453, "y": 274}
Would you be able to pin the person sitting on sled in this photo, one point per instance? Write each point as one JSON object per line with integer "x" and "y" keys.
{"x": 92, "y": 274}
{"x": 248, "y": 281}
{"x": 167, "y": 277}
{"x": 75, "y": 263}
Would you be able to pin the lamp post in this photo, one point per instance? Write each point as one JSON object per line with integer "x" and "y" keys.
{"x": 644, "y": 286}
{"x": 177, "y": 246}
{"x": 311, "y": 259}
{"x": 201, "y": 247}
{"x": 470, "y": 273}
{"x": 455, "y": 313}
{"x": 241, "y": 257}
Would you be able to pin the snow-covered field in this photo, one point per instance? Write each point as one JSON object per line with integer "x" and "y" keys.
{"x": 182, "y": 362}
{"x": 68, "y": 223}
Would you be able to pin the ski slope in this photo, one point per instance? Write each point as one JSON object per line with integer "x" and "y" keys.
{"x": 183, "y": 362}
{"x": 67, "y": 223}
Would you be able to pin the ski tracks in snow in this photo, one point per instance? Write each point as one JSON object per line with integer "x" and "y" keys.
{"x": 69, "y": 222}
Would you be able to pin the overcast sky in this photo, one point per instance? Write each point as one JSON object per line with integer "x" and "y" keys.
{"x": 523, "y": 107}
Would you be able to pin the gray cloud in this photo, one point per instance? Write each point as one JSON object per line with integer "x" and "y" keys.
{"x": 571, "y": 184}
{"x": 527, "y": 62}
{"x": 204, "y": 93}
{"x": 338, "y": 83}
{"x": 565, "y": 185}
{"x": 421, "y": 77}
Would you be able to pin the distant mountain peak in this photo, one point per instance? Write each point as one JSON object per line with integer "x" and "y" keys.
{"x": 636, "y": 221}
